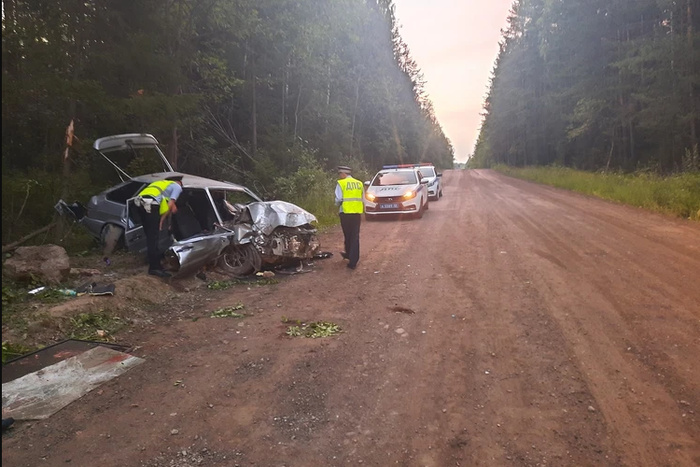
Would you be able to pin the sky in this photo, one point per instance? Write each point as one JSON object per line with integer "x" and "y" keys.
{"x": 455, "y": 44}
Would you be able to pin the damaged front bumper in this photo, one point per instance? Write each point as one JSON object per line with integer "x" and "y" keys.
{"x": 279, "y": 233}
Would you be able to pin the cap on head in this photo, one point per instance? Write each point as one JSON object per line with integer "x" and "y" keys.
{"x": 174, "y": 178}
{"x": 344, "y": 169}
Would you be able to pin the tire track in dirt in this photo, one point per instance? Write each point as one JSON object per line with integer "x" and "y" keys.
{"x": 522, "y": 349}
{"x": 592, "y": 315}
{"x": 536, "y": 304}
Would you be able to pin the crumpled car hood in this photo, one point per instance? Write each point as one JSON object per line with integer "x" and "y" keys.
{"x": 188, "y": 255}
{"x": 268, "y": 215}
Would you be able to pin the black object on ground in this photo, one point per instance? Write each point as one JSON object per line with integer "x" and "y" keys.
{"x": 92, "y": 288}
{"x": 7, "y": 423}
{"x": 159, "y": 273}
{"x": 31, "y": 362}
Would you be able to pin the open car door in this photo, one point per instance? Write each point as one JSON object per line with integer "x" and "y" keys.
{"x": 135, "y": 237}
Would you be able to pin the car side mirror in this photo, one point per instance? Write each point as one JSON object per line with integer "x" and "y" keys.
{"x": 366, "y": 183}
{"x": 439, "y": 174}
{"x": 424, "y": 181}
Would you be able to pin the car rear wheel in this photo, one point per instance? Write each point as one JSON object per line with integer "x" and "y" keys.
{"x": 111, "y": 238}
{"x": 240, "y": 260}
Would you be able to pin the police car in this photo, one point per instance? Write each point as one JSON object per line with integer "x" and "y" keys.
{"x": 434, "y": 178}
{"x": 396, "y": 189}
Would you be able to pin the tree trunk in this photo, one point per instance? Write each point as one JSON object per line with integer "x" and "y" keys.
{"x": 72, "y": 106}
{"x": 354, "y": 113}
{"x": 296, "y": 114}
{"x": 173, "y": 149}
{"x": 285, "y": 96}
{"x": 13, "y": 245}
{"x": 610, "y": 154}
{"x": 328, "y": 99}
{"x": 254, "y": 121}
{"x": 693, "y": 103}
{"x": 11, "y": 50}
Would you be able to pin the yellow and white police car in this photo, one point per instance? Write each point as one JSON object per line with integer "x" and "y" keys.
{"x": 429, "y": 172}
{"x": 396, "y": 189}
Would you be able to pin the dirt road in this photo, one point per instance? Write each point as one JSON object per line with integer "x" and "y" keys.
{"x": 548, "y": 328}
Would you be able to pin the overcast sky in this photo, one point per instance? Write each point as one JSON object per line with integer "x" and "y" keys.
{"x": 455, "y": 43}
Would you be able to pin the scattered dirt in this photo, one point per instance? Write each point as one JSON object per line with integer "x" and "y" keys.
{"x": 549, "y": 328}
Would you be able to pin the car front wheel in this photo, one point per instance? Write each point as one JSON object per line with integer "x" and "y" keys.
{"x": 421, "y": 211}
{"x": 240, "y": 260}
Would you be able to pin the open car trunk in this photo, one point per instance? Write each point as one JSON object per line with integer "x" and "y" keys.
{"x": 216, "y": 222}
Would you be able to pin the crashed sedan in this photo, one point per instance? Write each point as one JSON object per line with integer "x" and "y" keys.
{"x": 217, "y": 223}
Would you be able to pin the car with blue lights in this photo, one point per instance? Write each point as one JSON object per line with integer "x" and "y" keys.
{"x": 428, "y": 172}
{"x": 396, "y": 189}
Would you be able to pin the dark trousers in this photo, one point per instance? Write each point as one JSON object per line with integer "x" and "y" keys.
{"x": 350, "y": 223}
{"x": 151, "y": 227}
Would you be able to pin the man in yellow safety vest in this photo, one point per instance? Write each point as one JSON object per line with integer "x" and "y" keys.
{"x": 156, "y": 203}
{"x": 349, "y": 194}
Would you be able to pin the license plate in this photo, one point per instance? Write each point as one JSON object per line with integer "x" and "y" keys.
{"x": 389, "y": 206}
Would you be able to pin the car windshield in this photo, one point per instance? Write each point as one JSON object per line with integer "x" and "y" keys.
{"x": 405, "y": 177}
{"x": 228, "y": 202}
{"x": 427, "y": 171}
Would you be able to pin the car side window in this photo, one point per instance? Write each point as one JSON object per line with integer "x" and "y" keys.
{"x": 125, "y": 191}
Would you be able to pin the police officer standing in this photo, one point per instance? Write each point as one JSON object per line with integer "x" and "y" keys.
{"x": 156, "y": 203}
{"x": 349, "y": 194}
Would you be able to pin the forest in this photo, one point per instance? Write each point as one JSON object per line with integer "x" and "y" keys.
{"x": 271, "y": 94}
{"x": 596, "y": 85}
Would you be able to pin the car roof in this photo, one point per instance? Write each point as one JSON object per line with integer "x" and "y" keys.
{"x": 192, "y": 181}
{"x": 399, "y": 169}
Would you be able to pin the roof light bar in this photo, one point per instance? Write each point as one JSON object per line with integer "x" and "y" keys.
{"x": 403, "y": 166}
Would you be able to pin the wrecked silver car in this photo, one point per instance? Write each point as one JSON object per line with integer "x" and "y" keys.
{"x": 218, "y": 223}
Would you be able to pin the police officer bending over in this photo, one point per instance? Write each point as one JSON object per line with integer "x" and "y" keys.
{"x": 156, "y": 203}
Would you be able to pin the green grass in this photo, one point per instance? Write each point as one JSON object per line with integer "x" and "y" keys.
{"x": 314, "y": 330}
{"x": 229, "y": 312}
{"x": 678, "y": 195}
{"x": 258, "y": 281}
{"x": 12, "y": 350}
{"x": 95, "y": 326}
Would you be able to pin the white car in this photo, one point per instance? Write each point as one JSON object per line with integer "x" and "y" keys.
{"x": 434, "y": 178}
{"x": 396, "y": 190}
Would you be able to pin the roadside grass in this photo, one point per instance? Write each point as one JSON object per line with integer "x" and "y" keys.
{"x": 229, "y": 312}
{"x": 312, "y": 330}
{"x": 20, "y": 309}
{"x": 11, "y": 350}
{"x": 99, "y": 326}
{"x": 322, "y": 206}
{"x": 678, "y": 195}
{"x": 227, "y": 284}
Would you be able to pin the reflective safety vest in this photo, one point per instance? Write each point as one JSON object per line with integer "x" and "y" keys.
{"x": 155, "y": 190}
{"x": 352, "y": 195}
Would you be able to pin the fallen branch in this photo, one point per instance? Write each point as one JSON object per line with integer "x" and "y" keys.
{"x": 12, "y": 246}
